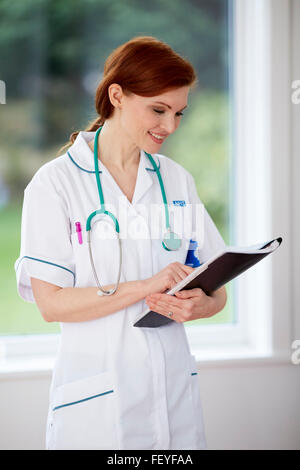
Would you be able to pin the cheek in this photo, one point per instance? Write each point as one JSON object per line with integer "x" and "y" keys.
{"x": 144, "y": 117}
{"x": 147, "y": 120}
{"x": 138, "y": 121}
{"x": 135, "y": 119}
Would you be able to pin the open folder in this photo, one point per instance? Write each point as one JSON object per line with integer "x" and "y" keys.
{"x": 213, "y": 274}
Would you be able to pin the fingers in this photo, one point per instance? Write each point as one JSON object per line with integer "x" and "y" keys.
{"x": 165, "y": 303}
{"x": 177, "y": 278}
{"x": 186, "y": 269}
{"x": 184, "y": 305}
{"x": 163, "y": 309}
{"x": 180, "y": 271}
{"x": 200, "y": 296}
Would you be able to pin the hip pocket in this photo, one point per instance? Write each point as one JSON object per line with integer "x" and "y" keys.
{"x": 196, "y": 399}
{"x": 83, "y": 414}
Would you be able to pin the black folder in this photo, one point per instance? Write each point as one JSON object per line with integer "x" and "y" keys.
{"x": 213, "y": 274}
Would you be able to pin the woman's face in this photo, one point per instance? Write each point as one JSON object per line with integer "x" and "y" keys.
{"x": 148, "y": 121}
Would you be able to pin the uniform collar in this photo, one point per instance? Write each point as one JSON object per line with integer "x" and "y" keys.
{"x": 82, "y": 156}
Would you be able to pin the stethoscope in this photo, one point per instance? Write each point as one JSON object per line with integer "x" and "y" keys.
{"x": 170, "y": 241}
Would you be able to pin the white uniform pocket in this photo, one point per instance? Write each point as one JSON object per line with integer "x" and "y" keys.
{"x": 83, "y": 415}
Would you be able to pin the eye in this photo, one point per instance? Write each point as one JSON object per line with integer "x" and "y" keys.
{"x": 161, "y": 112}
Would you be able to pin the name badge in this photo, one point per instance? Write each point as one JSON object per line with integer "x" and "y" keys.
{"x": 179, "y": 203}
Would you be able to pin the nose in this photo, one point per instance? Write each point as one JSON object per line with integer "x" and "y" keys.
{"x": 169, "y": 125}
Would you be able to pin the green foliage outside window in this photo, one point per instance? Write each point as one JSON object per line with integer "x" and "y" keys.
{"x": 51, "y": 57}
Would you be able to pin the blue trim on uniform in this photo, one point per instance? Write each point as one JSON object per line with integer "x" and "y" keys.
{"x": 47, "y": 262}
{"x": 194, "y": 373}
{"x": 80, "y": 401}
{"x": 100, "y": 171}
{"x": 83, "y": 169}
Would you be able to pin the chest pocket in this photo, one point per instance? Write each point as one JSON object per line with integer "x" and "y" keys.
{"x": 180, "y": 222}
{"x": 162, "y": 257}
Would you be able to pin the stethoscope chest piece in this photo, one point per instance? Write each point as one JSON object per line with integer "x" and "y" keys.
{"x": 171, "y": 242}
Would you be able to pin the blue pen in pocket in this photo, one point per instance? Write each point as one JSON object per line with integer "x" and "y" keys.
{"x": 191, "y": 258}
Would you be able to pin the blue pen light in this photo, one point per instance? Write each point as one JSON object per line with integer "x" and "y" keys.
{"x": 191, "y": 258}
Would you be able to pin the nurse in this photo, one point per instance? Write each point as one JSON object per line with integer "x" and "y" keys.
{"x": 116, "y": 386}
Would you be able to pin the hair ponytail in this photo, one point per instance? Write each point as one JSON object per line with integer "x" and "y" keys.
{"x": 93, "y": 126}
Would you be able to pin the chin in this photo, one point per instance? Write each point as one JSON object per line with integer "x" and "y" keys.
{"x": 152, "y": 147}
{"x": 152, "y": 150}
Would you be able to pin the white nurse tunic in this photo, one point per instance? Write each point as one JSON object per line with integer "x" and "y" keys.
{"x": 114, "y": 386}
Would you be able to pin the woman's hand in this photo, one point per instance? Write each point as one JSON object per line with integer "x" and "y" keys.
{"x": 167, "y": 277}
{"x": 189, "y": 304}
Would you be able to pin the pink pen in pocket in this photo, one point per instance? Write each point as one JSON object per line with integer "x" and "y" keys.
{"x": 79, "y": 232}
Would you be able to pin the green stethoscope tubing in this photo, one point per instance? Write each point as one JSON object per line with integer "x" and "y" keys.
{"x": 170, "y": 241}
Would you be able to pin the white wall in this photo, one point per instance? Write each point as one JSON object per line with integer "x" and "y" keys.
{"x": 23, "y": 412}
{"x": 252, "y": 407}
{"x": 245, "y": 407}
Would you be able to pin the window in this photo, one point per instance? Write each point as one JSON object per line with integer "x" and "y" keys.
{"x": 216, "y": 140}
{"x": 54, "y": 96}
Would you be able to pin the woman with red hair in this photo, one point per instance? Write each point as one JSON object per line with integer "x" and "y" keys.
{"x": 114, "y": 385}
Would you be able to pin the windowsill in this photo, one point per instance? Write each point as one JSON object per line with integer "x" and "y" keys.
{"x": 27, "y": 367}
{"x": 42, "y": 366}
{"x": 238, "y": 356}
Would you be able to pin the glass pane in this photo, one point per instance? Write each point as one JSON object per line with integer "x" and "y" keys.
{"x": 51, "y": 59}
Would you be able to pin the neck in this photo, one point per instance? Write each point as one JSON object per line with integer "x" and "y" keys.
{"x": 115, "y": 148}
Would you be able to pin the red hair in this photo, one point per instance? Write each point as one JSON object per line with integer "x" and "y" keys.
{"x": 144, "y": 66}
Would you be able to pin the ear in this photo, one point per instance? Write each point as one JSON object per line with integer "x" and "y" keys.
{"x": 115, "y": 94}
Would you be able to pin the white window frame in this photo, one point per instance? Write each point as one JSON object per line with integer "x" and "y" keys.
{"x": 295, "y": 172}
{"x": 261, "y": 156}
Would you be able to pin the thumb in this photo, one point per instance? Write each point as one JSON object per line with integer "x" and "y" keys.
{"x": 183, "y": 294}
{"x": 187, "y": 293}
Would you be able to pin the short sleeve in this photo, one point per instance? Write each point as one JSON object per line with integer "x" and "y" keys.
{"x": 46, "y": 251}
{"x": 204, "y": 229}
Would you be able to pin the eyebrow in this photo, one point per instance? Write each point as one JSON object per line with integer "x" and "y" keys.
{"x": 165, "y": 104}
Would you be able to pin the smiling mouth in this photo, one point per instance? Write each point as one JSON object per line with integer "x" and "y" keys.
{"x": 156, "y": 137}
